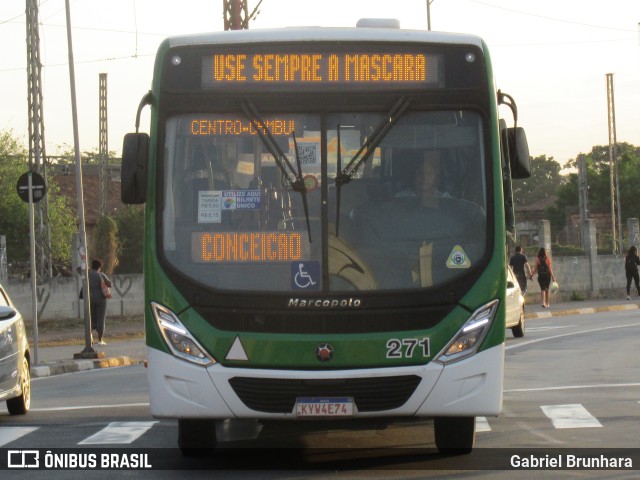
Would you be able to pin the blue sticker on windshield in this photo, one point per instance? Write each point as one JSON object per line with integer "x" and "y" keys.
{"x": 241, "y": 199}
{"x": 305, "y": 275}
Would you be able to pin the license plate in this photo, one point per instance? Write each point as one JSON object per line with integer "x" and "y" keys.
{"x": 324, "y": 407}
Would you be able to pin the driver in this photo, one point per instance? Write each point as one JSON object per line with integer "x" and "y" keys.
{"x": 425, "y": 180}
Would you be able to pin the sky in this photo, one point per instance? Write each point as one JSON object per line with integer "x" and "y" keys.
{"x": 552, "y": 56}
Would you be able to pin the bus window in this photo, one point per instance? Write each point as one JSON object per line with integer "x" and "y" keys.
{"x": 224, "y": 181}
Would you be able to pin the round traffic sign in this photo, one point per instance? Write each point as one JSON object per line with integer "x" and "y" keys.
{"x": 38, "y": 187}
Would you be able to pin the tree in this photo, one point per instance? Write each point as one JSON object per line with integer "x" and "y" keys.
{"x": 14, "y": 213}
{"x": 130, "y": 220}
{"x": 544, "y": 181}
{"x": 599, "y": 183}
{"x": 65, "y": 155}
{"x": 105, "y": 244}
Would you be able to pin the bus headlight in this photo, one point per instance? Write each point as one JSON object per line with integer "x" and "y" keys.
{"x": 178, "y": 338}
{"x": 470, "y": 336}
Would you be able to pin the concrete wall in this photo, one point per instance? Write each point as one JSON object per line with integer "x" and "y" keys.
{"x": 574, "y": 278}
{"x": 58, "y": 298}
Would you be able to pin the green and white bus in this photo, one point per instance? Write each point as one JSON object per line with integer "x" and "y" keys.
{"x": 326, "y": 217}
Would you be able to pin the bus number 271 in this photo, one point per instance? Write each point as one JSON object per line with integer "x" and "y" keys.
{"x": 406, "y": 347}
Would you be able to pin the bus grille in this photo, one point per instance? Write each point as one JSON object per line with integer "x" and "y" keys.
{"x": 312, "y": 322}
{"x": 271, "y": 395}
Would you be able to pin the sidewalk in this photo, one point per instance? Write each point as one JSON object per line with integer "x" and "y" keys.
{"x": 535, "y": 310}
{"x": 58, "y": 360}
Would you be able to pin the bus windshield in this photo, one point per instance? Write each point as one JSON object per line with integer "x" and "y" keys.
{"x": 410, "y": 215}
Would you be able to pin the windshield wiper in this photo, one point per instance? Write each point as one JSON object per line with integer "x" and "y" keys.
{"x": 366, "y": 150}
{"x": 292, "y": 177}
{"x": 299, "y": 185}
{"x": 370, "y": 145}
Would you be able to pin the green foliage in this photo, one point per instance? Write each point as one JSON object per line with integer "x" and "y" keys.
{"x": 66, "y": 156}
{"x": 62, "y": 223}
{"x": 14, "y": 213}
{"x": 544, "y": 181}
{"x": 599, "y": 181}
{"x": 130, "y": 220}
{"x": 104, "y": 244}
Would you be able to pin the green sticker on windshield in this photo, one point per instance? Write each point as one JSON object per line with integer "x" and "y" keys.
{"x": 458, "y": 258}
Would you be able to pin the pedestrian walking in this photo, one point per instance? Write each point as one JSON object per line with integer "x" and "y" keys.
{"x": 98, "y": 298}
{"x": 631, "y": 262}
{"x": 519, "y": 263}
{"x": 545, "y": 275}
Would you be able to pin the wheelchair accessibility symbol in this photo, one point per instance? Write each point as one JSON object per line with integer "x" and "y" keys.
{"x": 305, "y": 276}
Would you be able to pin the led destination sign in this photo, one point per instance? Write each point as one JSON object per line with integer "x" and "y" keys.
{"x": 404, "y": 67}
{"x": 234, "y": 126}
{"x": 225, "y": 247}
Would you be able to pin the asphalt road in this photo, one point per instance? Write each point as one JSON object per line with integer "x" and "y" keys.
{"x": 571, "y": 383}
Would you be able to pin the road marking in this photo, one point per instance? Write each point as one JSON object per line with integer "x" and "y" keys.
{"x": 553, "y": 337}
{"x": 88, "y": 407}
{"x": 570, "y": 416}
{"x": 10, "y": 434}
{"x": 572, "y": 387}
{"x": 550, "y": 327}
{"x": 482, "y": 424}
{"x": 119, "y": 432}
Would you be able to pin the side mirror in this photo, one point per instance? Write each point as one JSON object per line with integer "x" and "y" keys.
{"x": 6, "y": 313}
{"x": 518, "y": 151}
{"x": 135, "y": 154}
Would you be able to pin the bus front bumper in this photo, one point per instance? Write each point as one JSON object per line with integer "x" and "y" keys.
{"x": 470, "y": 387}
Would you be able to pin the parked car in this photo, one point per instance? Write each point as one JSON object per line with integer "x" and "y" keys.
{"x": 15, "y": 360}
{"x": 515, "y": 305}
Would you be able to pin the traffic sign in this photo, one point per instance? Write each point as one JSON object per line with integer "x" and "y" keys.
{"x": 38, "y": 187}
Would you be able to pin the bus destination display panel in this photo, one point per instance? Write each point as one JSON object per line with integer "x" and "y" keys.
{"x": 315, "y": 67}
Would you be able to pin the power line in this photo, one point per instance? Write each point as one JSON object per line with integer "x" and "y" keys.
{"x": 108, "y": 59}
{"x": 545, "y": 44}
{"x": 545, "y": 17}
{"x": 23, "y": 14}
{"x": 96, "y": 29}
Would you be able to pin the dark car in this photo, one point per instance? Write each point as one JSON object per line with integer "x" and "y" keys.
{"x": 15, "y": 377}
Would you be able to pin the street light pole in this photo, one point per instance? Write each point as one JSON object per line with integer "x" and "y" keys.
{"x": 429, "y": 2}
{"x": 88, "y": 351}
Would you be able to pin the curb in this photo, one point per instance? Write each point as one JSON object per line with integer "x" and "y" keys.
{"x": 580, "y": 311}
{"x": 69, "y": 366}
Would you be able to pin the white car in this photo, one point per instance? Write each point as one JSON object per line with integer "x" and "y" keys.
{"x": 15, "y": 376}
{"x": 515, "y": 305}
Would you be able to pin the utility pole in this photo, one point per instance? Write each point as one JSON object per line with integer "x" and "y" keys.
{"x": 103, "y": 148}
{"x": 583, "y": 200}
{"x": 429, "y": 2}
{"x": 236, "y": 14}
{"x": 613, "y": 166}
{"x": 37, "y": 155}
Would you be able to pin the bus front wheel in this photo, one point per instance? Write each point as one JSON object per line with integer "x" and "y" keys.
{"x": 455, "y": 435}
{"x": 196, "y": 437}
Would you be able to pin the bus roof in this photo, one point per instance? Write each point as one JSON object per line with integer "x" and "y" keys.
{"x": 320, "y": 34}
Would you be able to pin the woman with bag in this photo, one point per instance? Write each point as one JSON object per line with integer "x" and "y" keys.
{"x": 99, "y": 285}
{"x": 545, "y": 274}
